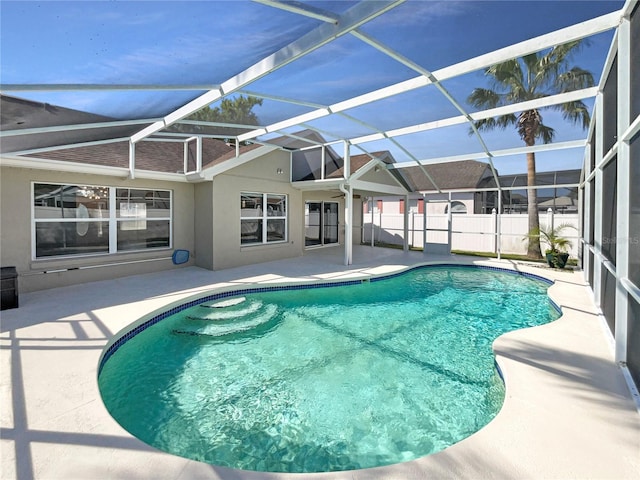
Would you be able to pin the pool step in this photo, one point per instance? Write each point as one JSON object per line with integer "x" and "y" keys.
{"x": 261, "y": 315}
{"x": 231, "y": 302}
{"x": 230, "y": 312}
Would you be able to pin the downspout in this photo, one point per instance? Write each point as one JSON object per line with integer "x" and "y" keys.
{"x": 348, "y": 233}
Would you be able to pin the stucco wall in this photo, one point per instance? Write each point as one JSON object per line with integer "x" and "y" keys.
{"x": 204, "y": 225}
{"x": 15, "y": 231}
{"x": 258, "y": 176}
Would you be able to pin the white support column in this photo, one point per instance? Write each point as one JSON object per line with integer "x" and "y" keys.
{"x": 449, "y": 226}
{"x": 597, "y": 215}
{"x": 373, "y": 226}
{"x": 499, "y": 224}
{"x": 405, "y": 222}
{"x": 185, "y": 156}
{"x": 587, "y": 265}
{"x": 424, "y": 223}
{"x": 494, "y": 222}
{"x": 348, "y": 223}
{"x": 623, "y": 190}
{"x": 347, "y": 161}
{"x": 198, "y": 154}
{"x": 132, "y": 160}
{"x": 113, "y": 224}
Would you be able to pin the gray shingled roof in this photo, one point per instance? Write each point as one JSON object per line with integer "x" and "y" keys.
{"x": 165, "y": 157}
{"x": 462, "y": 174}
{"x": 359, "y": 161}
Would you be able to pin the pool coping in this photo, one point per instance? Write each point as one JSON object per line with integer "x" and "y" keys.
{"x": 568, "y": 412}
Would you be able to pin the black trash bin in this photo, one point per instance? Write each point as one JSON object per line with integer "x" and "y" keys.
{"x": 9, "y": 288}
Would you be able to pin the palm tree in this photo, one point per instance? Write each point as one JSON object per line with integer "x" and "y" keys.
{"x": 533, "y": 76}
{"x": 236, "y": 110}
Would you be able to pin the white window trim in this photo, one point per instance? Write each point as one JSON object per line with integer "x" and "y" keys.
{"x": 112, "y": 220}
{"x": 265, "y": 217}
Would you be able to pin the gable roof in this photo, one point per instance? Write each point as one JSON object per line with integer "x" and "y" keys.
{"x": 451, "y": 175}
{"x": 359, "y": 161}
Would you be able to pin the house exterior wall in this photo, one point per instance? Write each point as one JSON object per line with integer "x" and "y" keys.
{"x": 203, "y": 214}
{"x": 380, "y": 177}
{"x": 16, "y": 241}
{"x": 259, "y": 176}
{"x": 437, "y": 202}
{"x": 205, "y": 221}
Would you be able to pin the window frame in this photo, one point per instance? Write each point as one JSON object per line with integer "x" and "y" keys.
{"x": 112, "y": 219}
{"x": 264, "y": 218}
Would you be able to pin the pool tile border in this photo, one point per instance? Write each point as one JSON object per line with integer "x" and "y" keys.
{"x": 108, "y": 353}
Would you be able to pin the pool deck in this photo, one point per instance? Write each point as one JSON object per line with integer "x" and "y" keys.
{"x": 568, "y": 412}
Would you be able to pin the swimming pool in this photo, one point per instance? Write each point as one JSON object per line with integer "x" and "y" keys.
{"x": 335, "y": 377}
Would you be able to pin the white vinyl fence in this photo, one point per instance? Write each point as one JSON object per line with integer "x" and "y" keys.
{"x": 469, "y": 232}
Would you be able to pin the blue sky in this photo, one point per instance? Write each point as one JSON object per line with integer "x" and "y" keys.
{"x": 191, "y": 42}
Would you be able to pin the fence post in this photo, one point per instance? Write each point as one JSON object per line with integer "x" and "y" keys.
{"x": 494, "y": 218}
{"x": 550, "y": 218}
{"x": 405, "y": 224}
{"x": 373, "y": 227}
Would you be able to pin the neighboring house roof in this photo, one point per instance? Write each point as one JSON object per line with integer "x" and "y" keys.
{"x": 301, "y": 139}
{"x": 18, "y": 114}
{"x": 462, "y": 174}
{"x": 153, "y": 156}
{"x": 359, "y": 161}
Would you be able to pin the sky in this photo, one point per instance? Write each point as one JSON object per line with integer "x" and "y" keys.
{"x": 208, "y": 42}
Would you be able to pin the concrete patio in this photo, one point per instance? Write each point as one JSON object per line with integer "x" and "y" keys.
{"x": 568, "y": 413}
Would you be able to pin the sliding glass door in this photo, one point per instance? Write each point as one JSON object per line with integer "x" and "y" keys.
{"x": 321, "y": 223}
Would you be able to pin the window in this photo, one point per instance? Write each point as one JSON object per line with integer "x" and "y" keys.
{"x": 456, "y": 207}
{"x": 143, "y": 218}
{"x": 263, "y": 218}
{"x": 87, "y": 220}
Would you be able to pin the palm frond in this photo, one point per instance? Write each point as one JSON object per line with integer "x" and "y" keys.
{"x": 488, "y": 124}
{"x": 485, "y": 98}
{"x": 574, "y": 79}
{"x": 508, "y": 77}
{"x": 546, "y": 134}
{"x": 577, "y": 113}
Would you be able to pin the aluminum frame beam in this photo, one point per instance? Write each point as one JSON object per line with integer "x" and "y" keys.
{"x": 564, "y": 35}
{"x": 358, "y": 15}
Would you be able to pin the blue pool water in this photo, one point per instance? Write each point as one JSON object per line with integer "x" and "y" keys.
{"x": 324, "y": 379}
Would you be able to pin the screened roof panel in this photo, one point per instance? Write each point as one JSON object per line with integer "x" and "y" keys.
{"x": 342, "y": 69}
{"x": 339, "y": 126}
{"x": 168, "y": 59}
{"x": 399, "y": 154}
{"x": 414, "y": 107}
{"x": 118, "y": 104}
{"x": 156, "y": 42}
{"x": 439, "y": 34}
{"x": 272, "y": 111}
{"x": 441, "y": 142}
{"x": 569, "y": 159}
